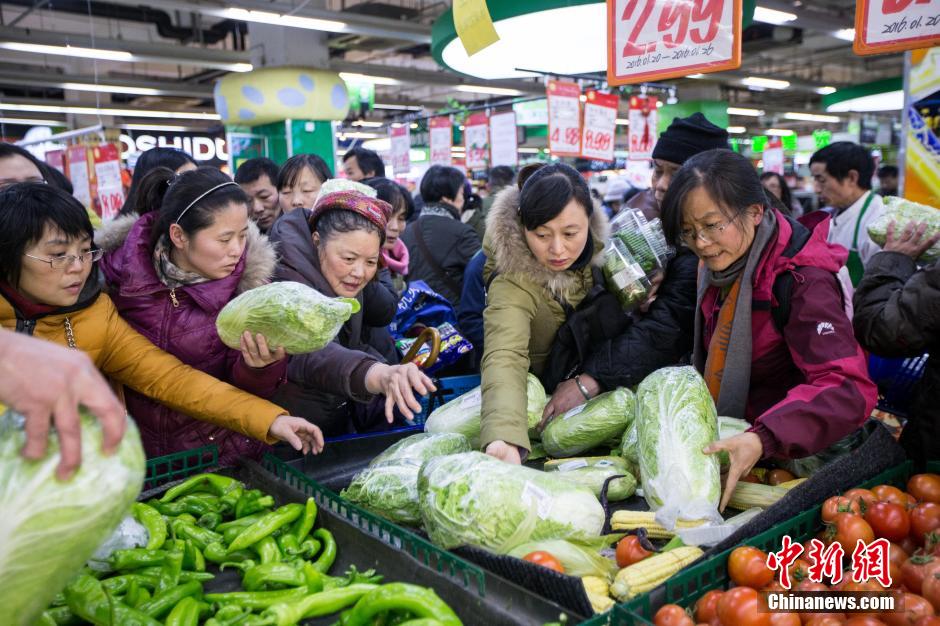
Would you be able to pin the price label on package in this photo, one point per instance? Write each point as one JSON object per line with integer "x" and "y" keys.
{"x": 600, "y": 124}
{"x": 564, "y": 118}
{"x": 649, "y": 40}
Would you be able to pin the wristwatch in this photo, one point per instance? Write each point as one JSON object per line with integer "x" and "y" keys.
{"x": 582, "y": 388}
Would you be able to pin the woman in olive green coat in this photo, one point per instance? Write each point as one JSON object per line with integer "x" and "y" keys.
{"x": 540, "y": 245}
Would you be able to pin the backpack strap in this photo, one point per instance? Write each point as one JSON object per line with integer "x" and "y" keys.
{"x": 783, "y": 285}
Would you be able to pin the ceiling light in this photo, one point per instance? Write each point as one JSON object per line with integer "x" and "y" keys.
{"x": 163, "y": 127}
{"x": 72, "y": 51}
{"x": 362, "y": 78}
{"x": 135, "y": 91}
{"x": 396, "y": 107}
{"x": 382, "y": 144}
{"x": 825, "y": 91}
{"x": 368, "y": 124}
{"x": 659, "y": 104}
{"x": 771, "y": 16}
{"x": 766, "y": 83}
{"x": 414, "y": 126}
{"x": 887, "y": 101}
{"x": 359, "y": 135}
{"x": 778, "y": 132}
{"x": 278, "y": 19}
{"x": 30, "y": 122}
{"x": 241, "y": 67}
{"x": 812, "y": 117}
{"x": 846, "y": 34}
{"x": 496, "y": 91}
{"x": 737, "y": 130}
{"x": 696, "y": 76}
{"x": 81, "y": 110}
{"x": 745, "y": 112}
{"x": 622, "y": 122}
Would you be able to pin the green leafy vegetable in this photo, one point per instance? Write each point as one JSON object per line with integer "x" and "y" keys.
{"x": 48, "y": 528}
{"x": 423, "y": 446}
{"x": 676, "y": 419}
{"x": 592, "y": 472}
{"x": 624, "y": 276}
{"x": 603, "y": 417}
{"x": 462, "y": 414}
{"x": 902, "y": 212}
{"x": 474, "y": 499}
{"x": 389, "y": 489}
{"x": 579, "y": 558}
{"x": 290, "y": 315}
{"x": 628, "y": 448}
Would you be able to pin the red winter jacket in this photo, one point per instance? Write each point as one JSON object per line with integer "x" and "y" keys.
{"x": 809, "y": 385}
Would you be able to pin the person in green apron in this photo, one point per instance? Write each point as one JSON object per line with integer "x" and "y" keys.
{"x": 842, "y": 173}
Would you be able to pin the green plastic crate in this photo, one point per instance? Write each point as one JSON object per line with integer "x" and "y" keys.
{"x": 424, "y": 551}
{"x": 164, "y": 469}
{"x": 687, "y": 586}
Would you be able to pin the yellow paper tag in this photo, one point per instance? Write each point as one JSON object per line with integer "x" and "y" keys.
{"x": 474, "y": 25}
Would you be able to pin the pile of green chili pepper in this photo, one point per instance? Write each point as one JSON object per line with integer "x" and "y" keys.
{"x": 213, "y": 521}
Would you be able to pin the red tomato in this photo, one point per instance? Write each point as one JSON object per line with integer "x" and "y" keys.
{"x": 887, "y": 493}
{"x": 777, "y": 476}
{"x": 931, "y": 589}
{"x": 915, "y": 607}
{"x": 848, "y": 529}
{"x": 630, "y": 550}
{"x": 866, "y": 497}
{"x": 915, "y": 569}
{"x": 888, "y": 520}
{"x": 827, "y": 620}
{"x": 925, "y": 518}
{"x": 927, "y": 621}
{"x": 672, "y": 615}
{"x": 909, "y": 545}
{"x": 839, "y": 504}
{"x": 896, "y": 558}
{"x": 544, "y": 559}
{"x": 743, "y": 606}
{"x": 706, "y": 608}
{"x": 799, "y": 571}
{"x": 925, "y": 487}
{"x": 808, "y": 585}
{"x": 857, "y": 620}
{"x": 785, "y": 619}
{"x": 747, "y": 567}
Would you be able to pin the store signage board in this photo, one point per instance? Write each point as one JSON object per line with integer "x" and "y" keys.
{"x": 649, "y": 40}
{"x": 401, "y": 149}
{"x": 642, "y": 133}
{"x": 78, "y": 174}
{"x": 600, "y": 124}
{"x": 503, "y": 140}
{"x": 109, "y": 187}
{"x": 894, "y": 25}
{"x": 441, "y": 140}
{"x": 476, "y": 135}
{"x": 564, "y": 118}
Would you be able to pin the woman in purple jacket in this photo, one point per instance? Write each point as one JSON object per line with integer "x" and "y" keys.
{"x": 170, "y": 267}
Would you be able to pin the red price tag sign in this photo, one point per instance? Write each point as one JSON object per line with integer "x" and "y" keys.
{"x": 109, "y": 189}
{"x": 657, "y": 39}
{"x": 644, "y": 119}
{"x": 441, "y": 139}
{"x": 477, "y": 141}
{"x": 564, "y": 118}
{"x": 894, "y": 25}
{"x": 600, "y": 123}
{"x": 401, "y": 148}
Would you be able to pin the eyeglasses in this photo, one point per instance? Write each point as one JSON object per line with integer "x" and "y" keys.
{"x": 6, "y": 184}
{"x": 707, "y": 234}
{"x": 66, "y": 260}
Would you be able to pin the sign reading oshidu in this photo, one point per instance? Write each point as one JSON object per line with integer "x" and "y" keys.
{"x": 651, "y": 40}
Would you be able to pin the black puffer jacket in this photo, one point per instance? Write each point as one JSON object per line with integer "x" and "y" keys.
{"x": 897, "y": 314}
{"x": 659, "y": 338}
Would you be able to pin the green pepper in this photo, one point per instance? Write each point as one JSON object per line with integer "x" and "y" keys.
{"x": 117, "y": 585}
{"x": 213, "y": 483}
{"x": 202, "y": 577}
{"x": 266, "y": 526}
{"x": 153, "y": 521}
{"x": 58, "y": 600}
{"x": 210, "y": 521}
{"x": 422, "y": 621}
{"x": 256, "y": 600}
{"x": 230, "y": 534}
{"x": 252, "y": 501}
{"x": 267, "y": 550}
{"x": 60, "y": 616}
{"x": 307, "y": 550}
{"x": 315, "y": 579}
{"x": 267, "y": 574}
{"x": 241, "y": 523}
{"x": 134, "y": 558}
{"x": 229, "y": 499}
{"x": 317, "y": 605}
{"x": 215, "y": 552}
{"x": 163, "y": 602}
{"x": 88, "y": 600}
{"x": 201, "y": 537}
{"x": 193, "y": 558}
{"x": 304, "y": 524}
{"x": 420, "y": 602}
{"x": 325, "y": 561}
{"x": 185, "y": 613}
{"x": 172, "y": 566}
{"x": 192, "y": 505}
{"x": 242, "y": 566}
{"x": 136, "y": 594}
{"x": 288, "y": 545}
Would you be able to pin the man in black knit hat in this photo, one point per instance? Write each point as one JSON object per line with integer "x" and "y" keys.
{"x": 685, "y": 137}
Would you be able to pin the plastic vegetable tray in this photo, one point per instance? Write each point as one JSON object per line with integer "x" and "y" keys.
{"x": 179, "y": 465}
{"x": 368, "y": 542}
{"x": 687, "y": 586}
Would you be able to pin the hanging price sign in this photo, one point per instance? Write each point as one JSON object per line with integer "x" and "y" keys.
{"x": 773, "y": 157}
{"x": 78, "y": 174}
{"x": 476, "y": 135}
{"x": 108, "y": 186}
{"x": 644, "y": 117}
{"x": 503, "y": 140}
{"x": 441, "y": 140}
{"x": 600, "y": 123}
{"x": 564, "y": 118}
{"x": 893, "y": 25}
{"x": 401, "y": 148}
{"x": 650, "y": 40}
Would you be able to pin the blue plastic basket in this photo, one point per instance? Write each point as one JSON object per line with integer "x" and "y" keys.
{"x": 896, "y": 379}
{"x": 447, "y": 389}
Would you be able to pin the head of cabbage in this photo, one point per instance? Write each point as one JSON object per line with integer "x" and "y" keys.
{"x": 388, "y": 489}
{"x": 290, "y": 315}
{"x": 600, "y": 419}
{"x": 49, "y": 529}
{"x": 903, "y": 212}
{"x": 593, "y": 472}
{"x": 423, "y": 446}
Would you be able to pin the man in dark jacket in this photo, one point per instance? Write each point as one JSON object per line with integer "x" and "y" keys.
{"x": 440, "y": 244}
{"x": 472, "y": 303}
{"x": 897, "y": 314}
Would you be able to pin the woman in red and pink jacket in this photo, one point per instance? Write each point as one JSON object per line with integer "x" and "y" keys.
{"x": 799, "y": 377}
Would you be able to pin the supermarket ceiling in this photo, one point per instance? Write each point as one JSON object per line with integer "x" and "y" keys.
{"x": 163, "y": 56}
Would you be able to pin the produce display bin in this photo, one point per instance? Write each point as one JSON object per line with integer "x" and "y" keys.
{"x": 163, "y": 469}
{"x": 712, "y": 573}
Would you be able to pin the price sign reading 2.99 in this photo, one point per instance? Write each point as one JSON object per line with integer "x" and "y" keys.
{"x": 651, "y": 40}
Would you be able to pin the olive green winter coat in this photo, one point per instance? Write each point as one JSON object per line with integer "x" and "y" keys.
{"x": 522, "y": 316}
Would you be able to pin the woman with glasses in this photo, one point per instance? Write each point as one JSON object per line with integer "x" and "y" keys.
{"x": 49, "y": 288}
{"x": 801, "y": 379}
{"x": 169, "y": 271}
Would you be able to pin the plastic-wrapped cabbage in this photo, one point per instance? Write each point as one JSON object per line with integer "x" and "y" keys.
{"x": 902, "y": 212}
{"x": 288, "y": 314}
{"x": 462, "y": 414}
{"x": 389, "y": 489}
{"x": 601, "y": 418}
{"x": 729, "y": 427}
{"x": 474, "y": 499}
{"x": 624, "y": 276}
{"x": 49, "y": 528}
{"x": 628, "y": 448}
{"x": 644, "y": 239}
{"x": 676, "y": 419}
{"x": 582, "y": 558}
{"x": 424, "y": 446}
{"x": 592, "y": 472}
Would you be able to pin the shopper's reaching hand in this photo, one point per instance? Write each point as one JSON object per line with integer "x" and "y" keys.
{"x": 398, "y": 383}
{"x": 911, "y": 240}
{"x": 745, "y": 450}
{"x": 298, "y": 432}
{"x": 505, "y": 452}
{"x": 257, "y": 354}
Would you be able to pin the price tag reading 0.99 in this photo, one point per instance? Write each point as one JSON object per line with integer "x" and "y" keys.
{"x": 654, "y": 37}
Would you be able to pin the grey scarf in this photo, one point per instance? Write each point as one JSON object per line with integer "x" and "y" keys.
{"x": 736, "y": 379}
{"x": 168, "y": 272}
